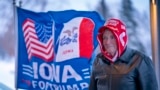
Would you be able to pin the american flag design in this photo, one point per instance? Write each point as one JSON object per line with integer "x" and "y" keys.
{"x": 55, "y": 49}
{"x": 39, "y": 46}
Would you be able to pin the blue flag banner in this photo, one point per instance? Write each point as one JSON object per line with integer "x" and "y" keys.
{"x": 55, "y": 49}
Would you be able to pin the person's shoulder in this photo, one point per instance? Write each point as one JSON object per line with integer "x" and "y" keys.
{"x": 144, "y": 58}
{"x": 99, "y": 58}
{"x": 142, "y": 54}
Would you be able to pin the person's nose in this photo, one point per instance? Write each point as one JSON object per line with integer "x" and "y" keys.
{"x": 107, "y": 41}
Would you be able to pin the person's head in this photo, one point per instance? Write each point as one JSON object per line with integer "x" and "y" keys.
{"x": 112, "y": 38}
{"x": 109, "y": 42}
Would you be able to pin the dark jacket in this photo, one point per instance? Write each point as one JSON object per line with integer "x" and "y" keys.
{"x": 132, "y": 71}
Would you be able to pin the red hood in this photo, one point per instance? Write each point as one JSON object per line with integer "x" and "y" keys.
{"x": 119, "y": 30}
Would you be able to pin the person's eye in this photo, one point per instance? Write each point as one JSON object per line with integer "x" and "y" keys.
{"x": 112, "y": 37}
{"x": 105, "y": 38}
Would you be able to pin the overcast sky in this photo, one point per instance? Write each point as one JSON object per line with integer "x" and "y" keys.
{"x": 7, "y": 69}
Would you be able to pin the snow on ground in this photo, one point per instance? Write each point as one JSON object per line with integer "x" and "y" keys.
{"x": 7, "y": 70}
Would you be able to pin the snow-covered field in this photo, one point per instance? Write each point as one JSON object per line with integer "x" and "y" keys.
{"x": 7, "y": 72}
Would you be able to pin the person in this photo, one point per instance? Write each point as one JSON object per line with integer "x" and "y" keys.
{"x": 118, "y": 67}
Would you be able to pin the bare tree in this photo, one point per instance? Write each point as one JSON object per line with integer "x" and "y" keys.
{"x": 103, "y": 9}
{"x": 127, "y": 13}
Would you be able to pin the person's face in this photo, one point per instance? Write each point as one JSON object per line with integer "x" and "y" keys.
{"x": 109, "y": 42}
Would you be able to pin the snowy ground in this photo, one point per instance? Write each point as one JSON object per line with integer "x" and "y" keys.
{"x": 7, "y": 70}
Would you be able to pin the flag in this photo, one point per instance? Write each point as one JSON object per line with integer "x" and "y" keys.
{"x": 55, "y": 49}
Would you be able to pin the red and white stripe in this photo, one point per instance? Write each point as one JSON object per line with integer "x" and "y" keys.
{"x": 84, "y": 45}
{"x": 34, "y": 46}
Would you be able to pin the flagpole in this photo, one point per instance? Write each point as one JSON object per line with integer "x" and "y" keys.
{"x": 16, "y": 42}
{"x": 155, "y": 36}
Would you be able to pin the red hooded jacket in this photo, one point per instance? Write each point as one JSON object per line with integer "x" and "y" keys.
{"x": 119, "y": 30}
